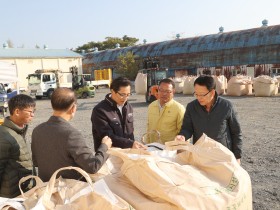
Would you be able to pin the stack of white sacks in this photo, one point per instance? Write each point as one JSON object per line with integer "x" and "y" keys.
{"x": 185, "y": 84}
{"x": 265, "y": 86}
{"x": 239, "y": 85}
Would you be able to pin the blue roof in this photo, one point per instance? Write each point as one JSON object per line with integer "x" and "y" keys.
{"x": 262, "y": 36}
{"x": 37, "y": 53}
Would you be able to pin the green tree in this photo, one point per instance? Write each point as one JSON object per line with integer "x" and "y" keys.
{"x": 127, "y": 65}
{"x": 109, "y": 43}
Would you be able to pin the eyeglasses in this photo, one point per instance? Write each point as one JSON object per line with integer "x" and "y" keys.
{"x": 202, "y": 95}
{"x": 165, "y": 91}
{"x": 124, "y": 95}
{"x": 30, "y": 111}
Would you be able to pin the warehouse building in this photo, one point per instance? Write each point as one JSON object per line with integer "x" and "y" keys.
{"x": 29, "y": 60}
{"x": 252, "y": 52}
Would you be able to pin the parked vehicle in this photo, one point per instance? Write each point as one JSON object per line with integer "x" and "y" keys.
{"x": 154, "y": 75}
{"x": 44, "y": 81}
{"x": 102, "y": 77}
{"x": 82, "y": 86}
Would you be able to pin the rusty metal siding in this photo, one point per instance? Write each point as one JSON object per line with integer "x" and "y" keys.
{"x": 252, "y": 46}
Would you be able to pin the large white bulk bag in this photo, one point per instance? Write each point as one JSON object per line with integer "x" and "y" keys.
{"x": 141, "y": 83}
{"x": 265, "y": 86}
{"x": 179, "y": 84}
{"x": 278, "y": 79}
{"x": 220, "y": 84}
{"x": 205, "y": 175}
{"x": 188, "y": 85}
{"x": 236, "y": 89}
{"x": 264, "y": 89}
{"x": 239, "y": 85}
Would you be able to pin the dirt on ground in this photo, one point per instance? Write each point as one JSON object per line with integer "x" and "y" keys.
{"x": 259, "y": 118}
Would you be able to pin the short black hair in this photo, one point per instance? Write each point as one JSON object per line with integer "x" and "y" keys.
{"x": 207, "y": 81}
{"x": 20, "y": 102}
{"x": 62, "y": 99}
{"x": 168, "y": 81}
{"x": 119, "y": 82}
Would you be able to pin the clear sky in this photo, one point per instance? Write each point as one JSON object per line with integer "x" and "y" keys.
{"x": 71, "y": 23}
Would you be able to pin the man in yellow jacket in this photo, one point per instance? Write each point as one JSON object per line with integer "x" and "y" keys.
{"x": 165, "y": 115}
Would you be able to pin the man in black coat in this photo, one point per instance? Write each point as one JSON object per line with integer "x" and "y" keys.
{"x": 114, "y": 117}
{"x": 56, "y": 143}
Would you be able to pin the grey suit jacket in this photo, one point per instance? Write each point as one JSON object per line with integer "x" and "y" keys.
{"x": 56, "y": 144}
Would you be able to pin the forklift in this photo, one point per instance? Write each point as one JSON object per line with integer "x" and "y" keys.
{"x": 154, "y": 75}
{"x": 81, "y": 84}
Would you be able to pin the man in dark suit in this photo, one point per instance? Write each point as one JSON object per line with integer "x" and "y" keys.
{"x": 114, "y": 117}
{"x": 56, "y": 143}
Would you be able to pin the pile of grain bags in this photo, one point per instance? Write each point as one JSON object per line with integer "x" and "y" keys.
{"x": 188, "y": 85}
{"x": 141, "y": 83}
{"x": 265, "y": 86}
{"x": 221, "y": 84}
{"x": 239, "y": 85}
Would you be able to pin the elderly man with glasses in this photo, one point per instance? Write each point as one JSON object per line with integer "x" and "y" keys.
{"x": 113, "y": 117}
{"x": 165, "y": 115}
{"x": 212, "y": 115}
{"x": 15, "y": 158}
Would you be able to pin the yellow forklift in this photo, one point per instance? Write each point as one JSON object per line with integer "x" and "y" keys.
{"x": 154, "y": 75}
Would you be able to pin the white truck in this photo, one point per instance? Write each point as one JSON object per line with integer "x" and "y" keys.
{"x": 43, "y": 82}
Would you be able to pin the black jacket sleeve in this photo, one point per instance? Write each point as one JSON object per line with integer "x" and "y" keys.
{"x": 187, "y": 126}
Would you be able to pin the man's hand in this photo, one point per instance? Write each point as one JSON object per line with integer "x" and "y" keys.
{"x": 180, "y": 138}
{"x": 107, "y": 140}
{"x": 138, "y": 145}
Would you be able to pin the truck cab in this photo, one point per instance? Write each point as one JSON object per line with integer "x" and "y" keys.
{"x": 41, "y": 84}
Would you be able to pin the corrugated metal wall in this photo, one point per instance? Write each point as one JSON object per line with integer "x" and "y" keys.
{"x": 246, "y": 47}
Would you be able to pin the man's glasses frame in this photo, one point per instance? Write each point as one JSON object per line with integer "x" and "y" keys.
{"x": 203, "y": 95}
{"x": 124, "y": 95}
